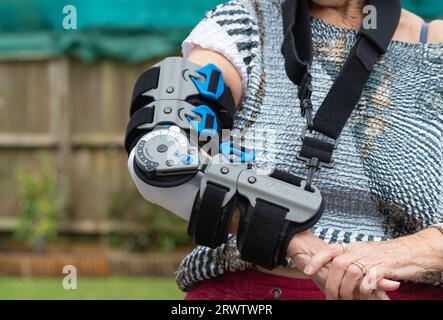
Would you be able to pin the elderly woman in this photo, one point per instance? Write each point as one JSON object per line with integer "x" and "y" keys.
{"x": 378, "y": 237}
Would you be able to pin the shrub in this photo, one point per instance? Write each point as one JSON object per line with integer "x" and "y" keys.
{"x": 159, "y": 229}
{"x": 40, "y": 202}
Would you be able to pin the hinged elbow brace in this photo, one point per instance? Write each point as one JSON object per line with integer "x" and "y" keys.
{"x": 177, "y": 98}
{"x": 272, "y": 209}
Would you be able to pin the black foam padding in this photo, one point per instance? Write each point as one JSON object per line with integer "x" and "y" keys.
{"x": 260, "y": 240}
{"x": 133, "y": 134}
{"x": 148, "y": 80}
{"x": 316, "y": 148}
{"x": 227, "y": 102}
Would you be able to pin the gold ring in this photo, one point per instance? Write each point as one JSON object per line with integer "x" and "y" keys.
{"x": 361, "y": 266}
{"x": 344, "y": 247}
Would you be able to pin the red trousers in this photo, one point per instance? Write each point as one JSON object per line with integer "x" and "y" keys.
{"x": 255, "y": 285}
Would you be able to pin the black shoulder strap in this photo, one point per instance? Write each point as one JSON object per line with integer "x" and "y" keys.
{"x": 297, "y": 43}
{"x": 347, "y": 89}
{"x": 388, "y": 14}
{"x": 266, "y": 233}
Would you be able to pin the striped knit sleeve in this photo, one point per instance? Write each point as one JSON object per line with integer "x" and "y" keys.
{"x": 231, "y": 30}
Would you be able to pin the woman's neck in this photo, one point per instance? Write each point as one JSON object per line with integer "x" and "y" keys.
{"x": 341, "y": 13}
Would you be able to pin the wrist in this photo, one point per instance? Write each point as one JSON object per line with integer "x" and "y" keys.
{"x": 429, "y": 249}
{"x": 305, "y": 243}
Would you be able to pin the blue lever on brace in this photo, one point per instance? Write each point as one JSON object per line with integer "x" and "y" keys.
{"x": 213, "y": 85}
{"x": 207, "y": 124}
{"x": 236, "y": 154}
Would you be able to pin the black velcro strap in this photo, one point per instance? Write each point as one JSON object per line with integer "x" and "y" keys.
{"x": 210, "y": 212}
{"x": 316, "y": 148}
{"x": 147, "y": 81}
{"x": 286, "y": 177}
{"x": 263, "y": 234}
{"x": 142, "y": 116}
{"x": 209, "y": 124}
{"x": 213, "y": 81}
{"x": 294, "y": 228}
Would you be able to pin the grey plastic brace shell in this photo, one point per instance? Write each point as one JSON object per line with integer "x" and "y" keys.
{"x": 170, "y": 112}
{"x": 222, "y": 173}
{"x": 171, "y": 87}
{"x": 302, "y": 205}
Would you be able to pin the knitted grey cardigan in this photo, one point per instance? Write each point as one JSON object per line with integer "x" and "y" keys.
{"x": 387, "y": 178}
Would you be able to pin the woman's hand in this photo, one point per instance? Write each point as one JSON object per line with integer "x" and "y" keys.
{"x": 305, "y": 245}
{"x": 407, "y": 258}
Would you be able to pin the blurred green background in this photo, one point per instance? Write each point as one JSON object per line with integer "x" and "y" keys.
{"x": 117, "y": 29}
{"x": 65, "y": 195}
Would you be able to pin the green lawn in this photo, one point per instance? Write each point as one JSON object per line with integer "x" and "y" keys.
{"x": 90, "y": 288}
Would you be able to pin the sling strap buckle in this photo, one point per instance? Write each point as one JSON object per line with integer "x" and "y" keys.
{"x": 304, "y": 95}
{"x": 306, "y": 111}
{"x": 212, "y": 86}
{"x": 304, "y": 135}
{"x": 312, "y": 150}
{"x": 305, "y": 88}
{"x": 313, "y": 165}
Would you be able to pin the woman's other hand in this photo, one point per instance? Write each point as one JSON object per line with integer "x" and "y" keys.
{"x": 367, "y": 263}
{"x": 305, "y": 245}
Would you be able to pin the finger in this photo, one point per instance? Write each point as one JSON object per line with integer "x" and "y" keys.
{"x": 323, "y": 257}
{"x": 385, "y": 285}
{"x": 371, "y": 281}
{"x": 388, "y": 285}
{"x": 350, "y": 282}
{"x": 376, "y": 278}
{"x": 338, "y": 269}
{"x": 300, "y": 260}
{"x": 368, "y": 284}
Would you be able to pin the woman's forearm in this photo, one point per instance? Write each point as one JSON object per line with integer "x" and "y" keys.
{"x": 429, "y": 247}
